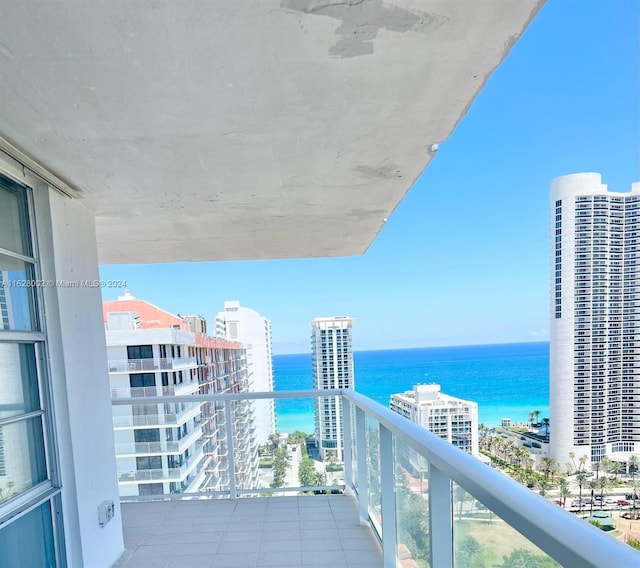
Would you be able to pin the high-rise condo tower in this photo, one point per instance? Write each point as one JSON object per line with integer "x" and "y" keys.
{"x": 332, "y": 351}
{"x": 237, "y": 323}
{"x": 595, "y": 320}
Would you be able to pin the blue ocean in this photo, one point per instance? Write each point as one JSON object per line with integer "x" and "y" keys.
{"x": 507, "y": 381}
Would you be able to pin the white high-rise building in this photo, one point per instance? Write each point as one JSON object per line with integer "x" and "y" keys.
{"x": 452, "y": 419}
{"x": 332, "y": 351}
{"x": 595, "y": 320}
{"x": 175, "y": 447}
{"x": 237, "y": 323}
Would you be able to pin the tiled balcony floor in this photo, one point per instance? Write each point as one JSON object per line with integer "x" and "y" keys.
{"x": 319, "y": 531}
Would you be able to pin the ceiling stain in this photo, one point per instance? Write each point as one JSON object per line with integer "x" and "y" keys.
{"x": 361, "y": 20}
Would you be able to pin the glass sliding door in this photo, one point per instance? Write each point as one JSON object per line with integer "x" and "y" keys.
{"x": 28, "y": 491}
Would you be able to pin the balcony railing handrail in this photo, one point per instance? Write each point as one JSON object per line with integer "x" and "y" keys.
{"x": 221, "y": 397}
{"x": 151, "y": 364}
{"x": 559, "y": 533}
{"x": 565, "y": 537}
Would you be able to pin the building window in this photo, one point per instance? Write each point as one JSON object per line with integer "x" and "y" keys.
{"x": 140, "y": 352}
{"x": 25, "y": 428}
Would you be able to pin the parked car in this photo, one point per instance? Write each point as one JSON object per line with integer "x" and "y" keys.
{"x": 630, "y": 496}
{"x": 623, "y": 502}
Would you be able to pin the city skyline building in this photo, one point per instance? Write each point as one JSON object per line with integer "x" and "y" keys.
{"x": 239, "y": 323}
{"x": 175, "y": 447}
{"x": 332, "y": 360}
{"x": 452, "y": 419}
{"x": 595, "y": 320}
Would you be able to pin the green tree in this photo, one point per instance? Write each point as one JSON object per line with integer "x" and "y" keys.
{"x": 617, "y": 468}
{"x": 306, "y": 473}
{"x": 593, "y": 486}
{"x": 633, "y": 464}
{"x": 468, "y": 551}
{"x": 583, "y": 461}
{"x": 548, "y": 466}
{"x": 413, "y": 524}
{"x": 297, "y": 437}
{"x": 603, "y": 485}
{"x": 563, "y": 488}
{"x": 581, "y": 480}
{"x": 274, "y": 441}
{"x": 520, "y": 558}
{"x": 280, "y": 464}
{"x": 543, "y": 487}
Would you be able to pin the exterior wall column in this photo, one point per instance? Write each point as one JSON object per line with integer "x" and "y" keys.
{"x": 79, "y": 379}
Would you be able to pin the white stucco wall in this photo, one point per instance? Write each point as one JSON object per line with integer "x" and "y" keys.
{"x": 80, "y": 384}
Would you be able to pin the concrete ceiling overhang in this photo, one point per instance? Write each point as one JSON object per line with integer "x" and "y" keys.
{"x": 243, "y": 129}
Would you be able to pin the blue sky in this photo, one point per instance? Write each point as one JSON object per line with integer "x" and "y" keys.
{"x": 464, "y": 258}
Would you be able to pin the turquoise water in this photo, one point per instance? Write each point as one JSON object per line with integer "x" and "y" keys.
{"x": 507, "y": 381}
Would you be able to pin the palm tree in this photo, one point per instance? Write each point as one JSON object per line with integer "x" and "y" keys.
{"x": 536, "y": 413}
{"x": 548, "y": 467}
{"x": 583, "y": 461}
{"x": 532, "y": 416}
{"x": 593, "y": 486}
{"x": 596, "y": 466}
{"x": 563, "y": 487}
{"x": 523, "y": 456}
{"x": 617, "y": 468}
{"x": 633, "y": 464}
{"x": 545, "y": 423}
{"x": 543, "y": 487}
{"x": 603, "y": 485}
{"x": 581, "y": 479}
{"x": 605, "y": 464}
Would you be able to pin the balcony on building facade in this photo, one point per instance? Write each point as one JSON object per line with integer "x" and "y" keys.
{"x": 157, "y": 418}
{"x": 165, "y": 475}
{"x": 159, "y": 448}
{"x": 152, "y": 364}
{"x": 180, "y": 389}
{"x": 407, "y": 497}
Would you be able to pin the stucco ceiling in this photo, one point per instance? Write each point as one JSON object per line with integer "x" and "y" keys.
{"x": 243, "y": 129}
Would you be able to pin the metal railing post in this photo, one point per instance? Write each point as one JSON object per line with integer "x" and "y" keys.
{"x": 440, "y": 517}
{"x": 388, "y": 498}
{"x": 228, "y": 416}
{"x": 347, "y": 443}
{"x": 362, "y": 473}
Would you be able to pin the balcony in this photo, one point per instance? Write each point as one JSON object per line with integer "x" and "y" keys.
{"x": 410, "y": 499}
{"x": 165, "y": 475}
{"x": 156, "y": 391}
{"x": 155, "y": 448}
{"x": 320, "y": 531}
{"x": 128, "y": 421}
{"x": 119, "y": 366}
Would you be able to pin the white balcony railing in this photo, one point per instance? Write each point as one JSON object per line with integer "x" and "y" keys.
{"x": 160, "y": 447}
{"x": 391, "y": 463}
{"x": 181, "y": 389}
{"x": 160, "y": 418}
{"x": 165, "y": 475}
{"x": 117, "y": 366}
